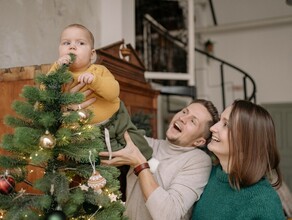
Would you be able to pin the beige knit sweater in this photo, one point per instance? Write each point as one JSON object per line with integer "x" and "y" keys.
{"x": 182, "y": 175}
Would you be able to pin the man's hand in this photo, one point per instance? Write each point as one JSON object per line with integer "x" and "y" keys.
{"x": 130, "y": 155}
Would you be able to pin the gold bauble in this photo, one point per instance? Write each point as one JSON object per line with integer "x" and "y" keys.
{"x": 47, "y": 141}
{"x": 96, "y": 181}
{"x": 83, "y": 115}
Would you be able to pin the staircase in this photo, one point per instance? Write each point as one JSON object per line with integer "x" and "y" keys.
{"x": 164, "y": 53}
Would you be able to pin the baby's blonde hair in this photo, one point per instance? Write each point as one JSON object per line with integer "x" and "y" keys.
{"x": 83, "y": 28}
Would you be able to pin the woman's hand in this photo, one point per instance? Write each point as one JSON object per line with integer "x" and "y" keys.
{"x": 130, "y": 155}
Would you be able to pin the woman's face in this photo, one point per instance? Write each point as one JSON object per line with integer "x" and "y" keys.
{"x": 219, "y": 144}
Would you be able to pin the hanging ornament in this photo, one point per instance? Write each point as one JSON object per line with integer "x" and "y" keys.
{"x": 83, "y": 115}
{"x": 113, "y": 197}
{"x": 47, "y": 141}
{"x": 56, "y": 215}
{"x": 96, "y": 181}
{"x": 84, "y": 187}
{"x": 7, "y": 184}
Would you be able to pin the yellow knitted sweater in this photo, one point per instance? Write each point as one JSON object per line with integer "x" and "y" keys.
{"x": 105, "y": 89}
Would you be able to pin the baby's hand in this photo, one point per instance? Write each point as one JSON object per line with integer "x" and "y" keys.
{"x": 86, "y": 78}
{"x": 66, "y": 59}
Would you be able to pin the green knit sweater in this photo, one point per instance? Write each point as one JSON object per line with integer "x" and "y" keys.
{"x": 220, "y": 201}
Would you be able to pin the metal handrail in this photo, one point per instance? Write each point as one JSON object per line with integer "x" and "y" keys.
{"x": 252, "y": 97}
{"x": 163, "y": 31}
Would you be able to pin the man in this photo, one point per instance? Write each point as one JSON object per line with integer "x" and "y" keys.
{"x": 169, "y": 190}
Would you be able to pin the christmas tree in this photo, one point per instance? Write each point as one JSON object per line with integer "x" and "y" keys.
{"x": 65, "y": 147}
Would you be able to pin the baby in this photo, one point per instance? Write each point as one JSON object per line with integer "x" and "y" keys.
{"x": 109, "y": 111}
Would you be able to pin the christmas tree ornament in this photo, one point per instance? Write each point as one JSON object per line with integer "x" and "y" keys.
{"x": 83, "y": 115}
{"x": 96, "y": 181}
{"x": 7, "y": 184}
{"x": 113, "y": 197}
{"x": 47, "y": 141}
{"x": 84, "y": 187}
{"x": 56, "y": 215}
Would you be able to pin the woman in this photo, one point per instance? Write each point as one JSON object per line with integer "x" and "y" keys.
{"x": 241, "y": 184}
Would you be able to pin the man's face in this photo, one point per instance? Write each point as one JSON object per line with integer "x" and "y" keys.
{"x": 187, "y": 126}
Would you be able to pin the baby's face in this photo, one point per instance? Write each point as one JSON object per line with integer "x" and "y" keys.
{"x": 77, "y": 41}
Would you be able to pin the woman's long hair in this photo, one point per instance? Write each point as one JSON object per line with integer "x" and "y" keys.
{"x": 253, "y": 148}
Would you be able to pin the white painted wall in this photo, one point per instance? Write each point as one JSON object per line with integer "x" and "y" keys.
{"x": 30, "y": 29}
{"x": 265, "y": 51}
{"x": 118, "y": 21}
